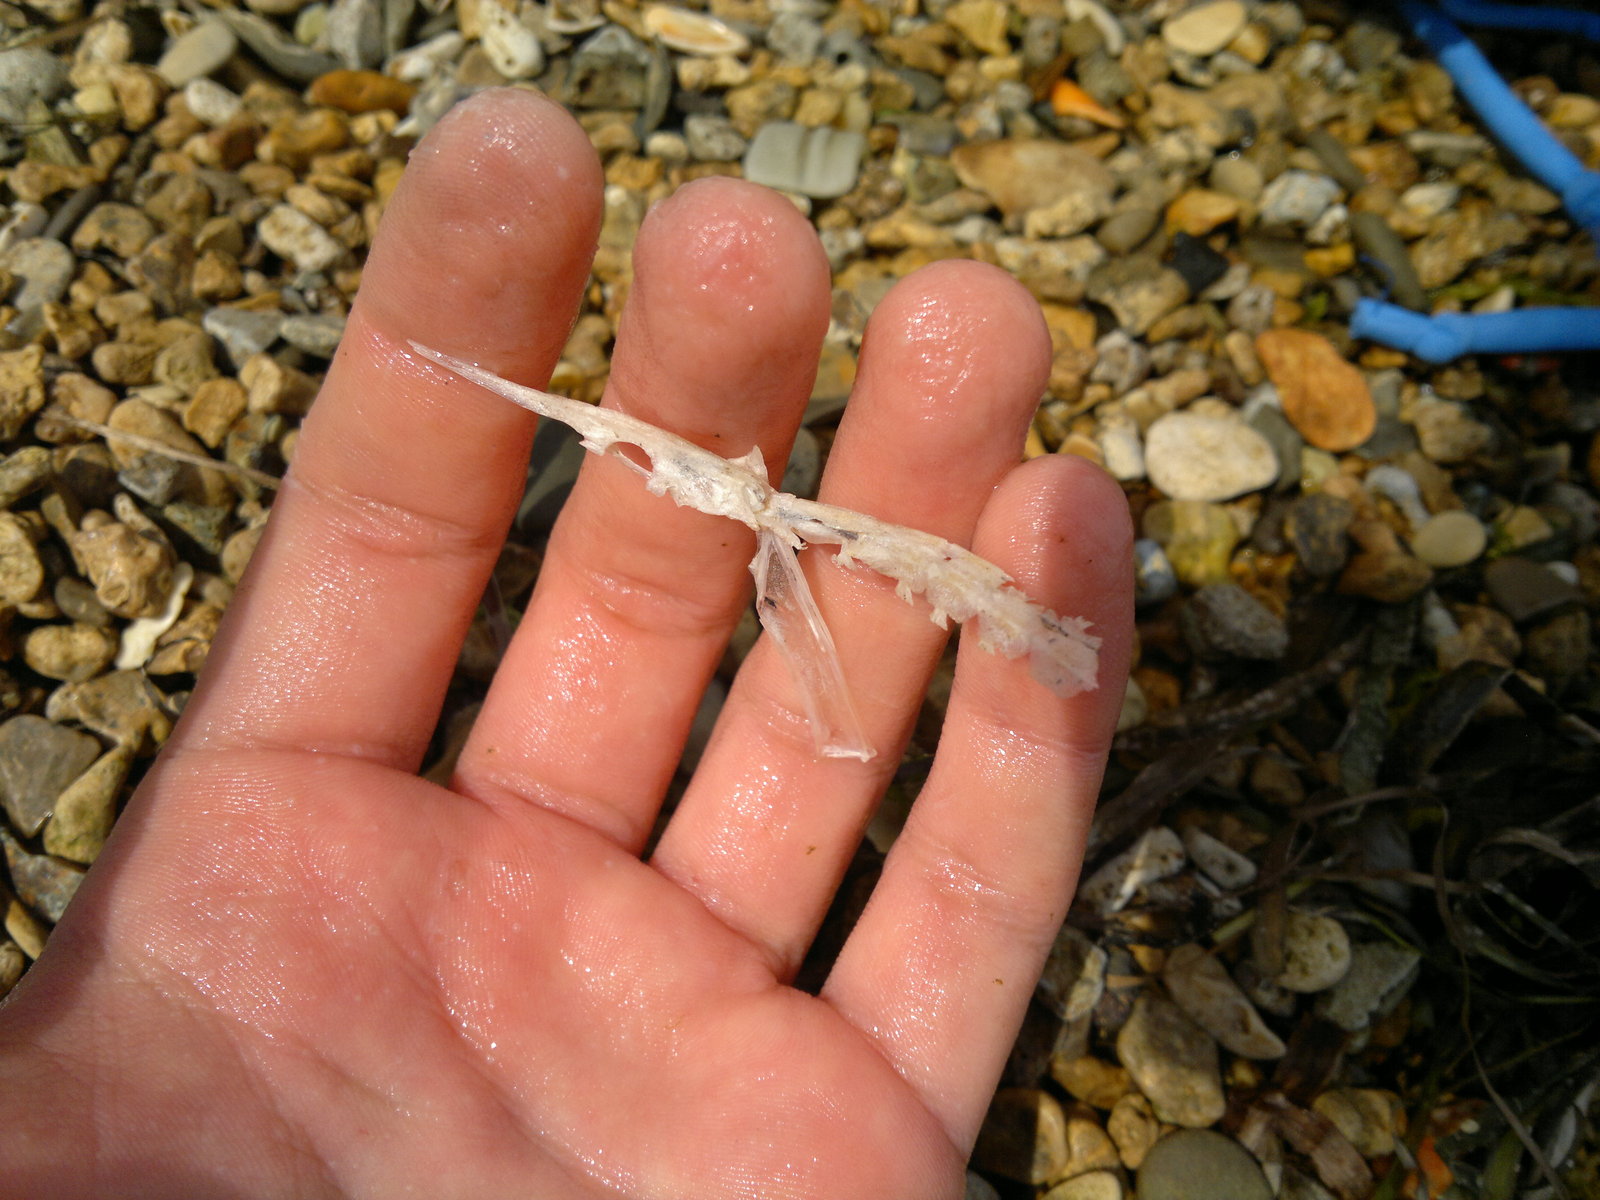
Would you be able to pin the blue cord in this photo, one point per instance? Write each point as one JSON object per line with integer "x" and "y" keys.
{"x": 1448, "y": 336}
{"x": 1518, "y": 16}
{"x": 1512, "y": 123}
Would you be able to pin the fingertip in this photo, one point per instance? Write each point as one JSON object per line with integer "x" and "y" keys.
{"x": 496, "y": 217}
{"x": 959, "y": 319}
{"x": 1060, "y": 527}
{"x": 726, "y": 314}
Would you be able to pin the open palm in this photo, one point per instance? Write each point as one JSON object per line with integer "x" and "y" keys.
{"x": 300, "y": 970}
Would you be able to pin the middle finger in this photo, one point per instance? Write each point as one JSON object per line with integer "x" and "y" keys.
{"x": 952, "y": 367}
{"x": 637, "y": 598}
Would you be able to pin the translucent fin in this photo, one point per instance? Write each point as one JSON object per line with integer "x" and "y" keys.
{"x": 790, "y": 615}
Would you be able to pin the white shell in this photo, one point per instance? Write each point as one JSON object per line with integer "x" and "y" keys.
{"x": 692, "y": 32}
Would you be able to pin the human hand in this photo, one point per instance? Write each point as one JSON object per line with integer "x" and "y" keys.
{"x": 298, "y": 969}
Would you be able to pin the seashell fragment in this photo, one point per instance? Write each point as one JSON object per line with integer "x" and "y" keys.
{"x": 692, "y": 32}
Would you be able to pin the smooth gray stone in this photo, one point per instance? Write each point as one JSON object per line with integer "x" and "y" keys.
{"x": 821, "y": 163}
{"x": 1191, "y": 1164}
{"x": 1224, "y": 620}
{"x": 1524, "y": 589}
{"x": 38, "y": 758}
{"x": 276, "y": 48}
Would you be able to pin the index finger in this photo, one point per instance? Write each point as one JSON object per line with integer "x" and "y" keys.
{"x": 347, "y": 626}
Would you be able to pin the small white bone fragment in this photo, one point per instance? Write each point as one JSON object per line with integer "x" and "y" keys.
{"x": 1063, "y": 654}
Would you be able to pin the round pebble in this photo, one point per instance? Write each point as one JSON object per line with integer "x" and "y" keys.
{"x": 1205, "y": 28}
{"x": 1450, "y": 539}
{"x": 1194, "y": 457}
{"x": 1200, "y": 1164}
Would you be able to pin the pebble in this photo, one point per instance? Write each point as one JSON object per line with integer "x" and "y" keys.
{"x": 317, "y": 334}
{"x": 1197, "y": 457}
{"x": 1155, "y": 582}
{"x": 69, "y": 652}
{"x": 1524, "y": 589}
{"x": 711, "y": 137}
{"x": 1225, "y": 866}
{"x": 1097, "y": 1083}
{"x": 85, "y": 809}
{"x": 38, "y": 759}
{"x": 1326, "y": 399}
{"x": 1317, "y": 527}
{"x": 43, "y": 883}
{"x": 609, "y": 70}
{"x": 1448, "y": 433}
{"x": 1174, "y": 1062}
{"x": 22, "y": 571}
{"x": 1400, "y": 488}
{"x": 1222, "y": 620}
{"x": 1157, "y": 854}
{"x": 123, "y": 706}
{"x": 1367, "y": 1117}
{"x": 1138, "y": 292}
{"x": 1024, "y": 1137}
{"x": 22, "y": 472}
{"x": 1296, "y": 199}
{"x": 21, "y": 388}
{"x": 1558, "y": 649}
{"x": 1203, "y": 989}
{"x": 1024, "y": 174}
{"x": 13, "y": 959}
{"x": 1199, "y": 539}
{"x": 44, "y": 267}
{"x": 1198, "y": 264}
{"x": 1378, "y": 976}
{"x": 370, "y": 91}
{"x": 1074, "y": 976}
{"x": 820, "y": 162}
{"x": 1121, "y": 448}
{"x": 243, "y": 333}
{"x": 979, "y": 1188}
{"x": 1133, "y": 1128}
{"x": 1390, "y": 576}
{"x": 1123, "y": 364}
{"x": 211, "y": 103}
{"x": 1201, "y": 1164}
{"x": 513, "y": 47}
{"x": 201, "y": 51}
{"x": 290, "y": 234}
{"x": 1450, "y": 539}
{"x": 131, "y": 568}
{"x": 1378, "y": 241}
{"x": 1316, "y": 952}
{"x": 1124, "y": 230}
{"x": 1204, "y": 29}
{"x": 1095, "y": 1185}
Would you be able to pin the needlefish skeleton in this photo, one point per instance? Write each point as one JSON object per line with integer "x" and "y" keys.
{"x": 958, "y": 585}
